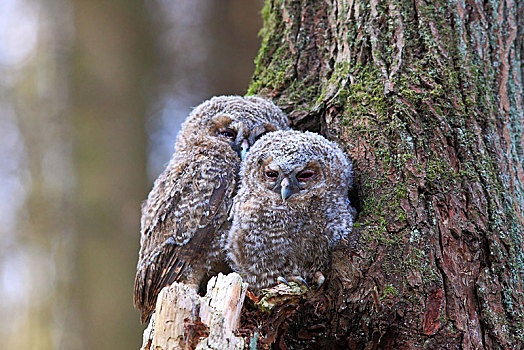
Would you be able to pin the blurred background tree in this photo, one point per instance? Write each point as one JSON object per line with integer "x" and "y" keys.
{"x": 92, "y": 93}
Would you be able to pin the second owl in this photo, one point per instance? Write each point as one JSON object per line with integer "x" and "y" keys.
{"x": 291, "y": 209}
{"x": 185, "y": 214}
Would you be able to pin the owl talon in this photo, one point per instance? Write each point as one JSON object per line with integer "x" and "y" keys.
{"x": 281, "y": 279}
{"x": 299, "y": 280}
{"x": 319, "y": 279}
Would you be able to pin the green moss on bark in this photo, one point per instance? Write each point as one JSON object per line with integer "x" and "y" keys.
{"x": 431, "y": 172}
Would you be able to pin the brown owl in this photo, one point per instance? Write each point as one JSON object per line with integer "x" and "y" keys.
{"x": 292, "y": 207}
{"x": 186, "y": 212}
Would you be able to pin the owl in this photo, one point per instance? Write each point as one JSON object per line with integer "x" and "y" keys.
{"x": 186, "y": 212}
{"x": 292, "y": 207}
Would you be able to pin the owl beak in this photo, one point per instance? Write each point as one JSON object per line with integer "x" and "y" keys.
{"x": 285, "y": 189}
{"x": 243, "y": 149}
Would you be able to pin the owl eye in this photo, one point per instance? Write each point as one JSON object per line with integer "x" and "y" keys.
{"x": 230, "y": 134}
{"x": 306, "y": 175}
{"x": 270, "y": 174}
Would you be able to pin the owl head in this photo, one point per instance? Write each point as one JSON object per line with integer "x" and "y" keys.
{"x": 233, "y": 120}
{"x": 293, "y": 166}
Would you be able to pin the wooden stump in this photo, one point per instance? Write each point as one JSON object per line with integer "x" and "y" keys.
{"x": 184, "y": 320}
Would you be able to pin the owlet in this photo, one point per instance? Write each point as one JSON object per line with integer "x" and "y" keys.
{"x": 292, "y": 207}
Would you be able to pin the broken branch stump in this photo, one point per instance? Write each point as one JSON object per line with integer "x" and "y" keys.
{"x": 184, "y": 320}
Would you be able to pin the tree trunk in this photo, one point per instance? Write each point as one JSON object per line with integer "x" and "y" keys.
{"x": 426, "y": 98}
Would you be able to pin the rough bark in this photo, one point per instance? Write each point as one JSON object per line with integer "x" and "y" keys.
{"x": 426, "y": 98}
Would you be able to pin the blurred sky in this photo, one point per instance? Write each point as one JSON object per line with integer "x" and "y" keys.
{"x": 92, "y": 94}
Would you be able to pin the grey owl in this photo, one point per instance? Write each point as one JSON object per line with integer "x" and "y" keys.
{"x": 292, "y": 207}
{"x": 186, "y": 212}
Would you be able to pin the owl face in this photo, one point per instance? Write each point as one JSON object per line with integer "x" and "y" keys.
{"x": 232, "y": 120}
{"x": 291, "y": 180}
{"x": 239, "y": 134}
{"x": 292, "y": 166}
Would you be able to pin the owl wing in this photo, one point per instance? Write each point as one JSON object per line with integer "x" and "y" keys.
{"x": 340, "y": 221}
{"x": 180, "y": 219}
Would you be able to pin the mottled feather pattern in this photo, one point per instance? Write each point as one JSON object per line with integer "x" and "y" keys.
{"x": 186, "y": 213}
{"x": 272, "y": 237}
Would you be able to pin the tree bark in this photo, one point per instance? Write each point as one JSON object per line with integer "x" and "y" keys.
{"x": 426, "y": 98}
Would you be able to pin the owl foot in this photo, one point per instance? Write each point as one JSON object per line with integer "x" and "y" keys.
{"x": 297, "y": 279}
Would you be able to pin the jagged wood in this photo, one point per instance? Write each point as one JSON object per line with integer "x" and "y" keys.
{"x": 181, "y": 313}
